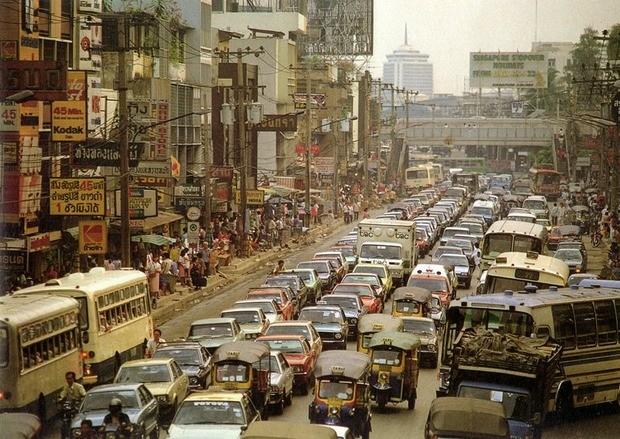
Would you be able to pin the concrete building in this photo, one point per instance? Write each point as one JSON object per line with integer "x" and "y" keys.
{"x": 558, "y": 53}
{"x": 408, "y": 68}
{"x": 286, "y": 16}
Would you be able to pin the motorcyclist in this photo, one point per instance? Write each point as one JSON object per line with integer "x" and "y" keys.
{"x": 117, "y": 418}
{"x": 72, "y": 390}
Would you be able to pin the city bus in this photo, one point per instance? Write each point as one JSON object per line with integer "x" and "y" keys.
{"x": 513, "y": 270}
{"x": 545, "y": 182}
{"x": 39, "y": 344}
{"x": 115, "y": 317}
{"x": 511, "y": 236}
{"x": 467, "y": 179}
{"x": 419, "y": 177}
{"x": 438, "y": 172}
{"x": 583, "y": 320}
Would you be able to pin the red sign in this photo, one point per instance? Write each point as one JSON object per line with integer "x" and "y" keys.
{"x": 315, "y": 149}
{"x": 222, "y": 172}
{"x": 47, "y": 79}
{"x": 300, "y": 148}
{"x": 38, "y": 242}
{"x": 222, "y": 192}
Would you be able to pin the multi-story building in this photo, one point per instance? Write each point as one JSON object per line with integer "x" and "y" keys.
{"x": 558, "y": 53}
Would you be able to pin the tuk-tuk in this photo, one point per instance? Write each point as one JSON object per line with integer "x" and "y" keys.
{"x": 243, "y": 366}
{"x": 370, "y": 324}
{"x": 466, "y": 418}
{"x": 395, "y": 368}
{"x": 411, "y": 302}
{"x": 287, "y": 430}
{"x": 341, "y": 394}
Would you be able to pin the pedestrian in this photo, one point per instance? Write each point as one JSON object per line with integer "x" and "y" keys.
{"x": 153, "y": 269}
{"x": 183, "y": 264}
{"x": 197, "y": 272}
{"x": 365, "y": 214}
{"x": 86, "y": 430}
{"x": 154, "y": 343}
{"x": 51, "y": 273}
{"x": 477, "y": 254}
{"x": 356, "y": 210}
{"x": 314, "y": 213}
{"x": 278, "y": 268}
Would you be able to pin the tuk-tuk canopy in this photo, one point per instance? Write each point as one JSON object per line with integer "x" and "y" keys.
{"x": 420, "y": 295}
{"x": 287, "y": 430}
{"x": 468, "y": 418}
{"x": 400, "y": 340}
{"x": 243, "y": 351}
{"x": 379, "y": 322}
{"x": 348, "y": 364}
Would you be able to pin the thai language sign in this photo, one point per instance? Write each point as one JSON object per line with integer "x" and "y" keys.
{"x": 77, "y": 196}
{"x": 99, "y": 152}
{"x": 508, "y": 70}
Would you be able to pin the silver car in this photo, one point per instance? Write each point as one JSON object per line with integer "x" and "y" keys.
{"x": 138, "y": 403}
{"x": 281, "y": 377}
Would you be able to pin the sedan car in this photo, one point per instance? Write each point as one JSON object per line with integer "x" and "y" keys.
{"x": 282, "y": 299}
{"x": 367, "y": 278}
{"x": 442, "y": 250}
{"x": 349, "y": 253}
{"x": 331, "y": 324}
{"x": 325, "y": 271}
{"x": 337, "y": 254}
{"x": 222, "y": 415}
{"x": 352, "y": 306}
{"x": 270, "y": 307}
{"x": 281, "y": 382}
{"x": 164, "y": 379}
{"x": 573, "y": 258}
{"x": 193, "y": 358}
{"x": 298, "y": 354}
{"x": 464, "y": 244}
{"x": 426, "y": 330}
{"x": 300, "y": 291}
{"x": 312, "y": 281}
{"x": 252, "y": 321}
{"x": 138, "y": 403}
{"x": 335, "y": 263}
{"x": 371, "y": 301}
{"x": 212, "y": 333}
{"x": 298, "y": 327}
{"x": 380, "y": 270}
{"x": 460, "y": 264}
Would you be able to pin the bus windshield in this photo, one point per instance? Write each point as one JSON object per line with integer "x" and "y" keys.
{"x": 501, "y": 284}
{"x": 380, "y": 251}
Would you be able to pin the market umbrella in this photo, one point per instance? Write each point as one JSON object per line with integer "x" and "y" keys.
{"x": 153, "y": 239}
{"x": 279, "y": 200}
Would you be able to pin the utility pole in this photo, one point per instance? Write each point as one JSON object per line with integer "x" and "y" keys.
{"x": 207, "y": 159}
{"x": 363, "y": 137}
{"x": 123, "y": 118}
{"x": 308, "y": 142}
{"x": 243, "y": 148}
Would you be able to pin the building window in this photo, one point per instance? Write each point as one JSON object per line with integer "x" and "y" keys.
{"x": 66, "y": 13}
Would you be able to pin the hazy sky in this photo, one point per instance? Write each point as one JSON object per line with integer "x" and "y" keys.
{"x": 448, "y": 30}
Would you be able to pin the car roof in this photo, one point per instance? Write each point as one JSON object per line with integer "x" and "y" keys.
{"x": 212, "y": 395}
{"x": 258, "y": 310}
{"x": 116, "y": 387}
{"x": 147, "y": 361}
{"x": 213, "y": 320}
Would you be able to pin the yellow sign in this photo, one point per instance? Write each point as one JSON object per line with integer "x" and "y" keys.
{"x": 254, "y": 198}
{"x": 69, "y": 121}
{"x": 77, "y": 196}
{"x": 93, "y": 237}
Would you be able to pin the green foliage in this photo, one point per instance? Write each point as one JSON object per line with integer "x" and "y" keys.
{"x": 613, "y": 47}
{"x": 544, "y": 157}
{"x": 585, "y": 56}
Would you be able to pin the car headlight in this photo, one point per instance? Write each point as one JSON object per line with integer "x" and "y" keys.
{"x": 337, "y": 336}
{"x": 193, "y": 380}
{"x": 353, "y": 320}
{"x": 432, "y": 347}
{"x": 162, "y": 398}
{"x": 76, "y": 432}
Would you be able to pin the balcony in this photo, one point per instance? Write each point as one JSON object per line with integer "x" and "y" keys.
{"x": 276, "y": 15}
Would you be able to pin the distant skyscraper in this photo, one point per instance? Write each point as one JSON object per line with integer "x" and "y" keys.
{"x": 410, "y": 69}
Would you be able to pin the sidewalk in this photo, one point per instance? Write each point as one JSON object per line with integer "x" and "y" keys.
{"x": 186, "y": 297}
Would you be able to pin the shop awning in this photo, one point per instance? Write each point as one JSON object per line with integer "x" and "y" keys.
{"x": 153, "y": 239}
{"x": 161, "y": 219}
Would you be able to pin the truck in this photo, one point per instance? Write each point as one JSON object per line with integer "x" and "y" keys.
{"x": 516, "y": 371}
{"x": 389, "y": 242}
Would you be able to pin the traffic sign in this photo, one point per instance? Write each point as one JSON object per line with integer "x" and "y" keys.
{"x": 193, "y": 213}
{"x": 193, "y": 232}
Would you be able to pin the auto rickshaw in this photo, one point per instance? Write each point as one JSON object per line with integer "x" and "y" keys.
{"x": 287, "y": 430}
{"x": 341, "y": 394}
{"x": 466, "y": 418}
{"x": 395, "y": 368}
{"x": 411, "y": 302}
{"x": 370, "y": 324}
{"x": 243, "y": 366}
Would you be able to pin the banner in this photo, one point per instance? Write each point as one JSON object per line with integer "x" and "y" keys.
{"x": 152, "y": 173}
{"x": 254, "y": 198}
{"x": 508, "y": 70}
{"x": 77, "y": 196}
{"x": 68, "y": 121}
{"x": 278, "y": 122}
{"x": 93, "y": 237}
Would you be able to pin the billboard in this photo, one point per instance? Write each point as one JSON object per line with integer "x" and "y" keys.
{"x": 68, "y": 121}
{"x": 142, "y": 203}
{"x": 278, "y": 122}
{"x": 99, "y": 152}
{"x": 508, "y": 70}
{"x": 77, "y": 196}
{"x": 47, "y": 79}
{"x": 93, "y": 237}
{"x": 339, "y": 27}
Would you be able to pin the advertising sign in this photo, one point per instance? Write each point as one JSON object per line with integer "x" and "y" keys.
{"x": 254, "y": 198}
{"x": 278, "y": 122}
{"x": 36, "y": 243}
{"x": 9, "y": 120}
{"x": 142, "y": 203}
{"x": 508, "y": 70}
{"x": 91, "y": 5}
{"x": 193, "y": 232}
{"x": 186, "y": 197}
{"x": 12, "y": 261}
{"x": 324, "y": 165}
{"x": 93, "y": 237}
{"x": 615, "y": 109}
{"x": 317, "y": 100}
{"x": 99, "y": 152}
{"x": 77, "y": 196}
{"x": 68, "y": 121}
{"x": 222, "y": 172}
{"x": 152, "y": 173}
{"x": 47, "y": 79}
{"x": 95, "y": 103}
{"x": 90, "y": 43}
{"x": 29, "y": 195}
{"x": 76, "y": 85}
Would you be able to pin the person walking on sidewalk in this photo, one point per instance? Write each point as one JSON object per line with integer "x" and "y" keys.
{"x": 278, "y": 268}
{"x": 153, "y": 269}
{"x": 356, "y": 210}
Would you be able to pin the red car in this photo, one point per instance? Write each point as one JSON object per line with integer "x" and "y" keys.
{"x": 365, "y": 292}
{"x": 299, "y": 355}
{"x": 287, "y": 307}
{"x": 436, "y": 284}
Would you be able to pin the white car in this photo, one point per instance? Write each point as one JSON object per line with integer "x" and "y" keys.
{"x": 281, "y": 377}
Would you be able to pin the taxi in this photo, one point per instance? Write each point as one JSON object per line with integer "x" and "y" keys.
{"x": 279, "y": 295}
{"x": 371, "y": 300}
{"x": 379, "y": 269}
{"x": 437, "y": 284}
{"x": 298, "y": 327}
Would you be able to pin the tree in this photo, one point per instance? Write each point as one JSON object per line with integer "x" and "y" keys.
{"x": 544, "y": 157}
{"x": 613, "y": 47}
{"x": 584, "y": 70}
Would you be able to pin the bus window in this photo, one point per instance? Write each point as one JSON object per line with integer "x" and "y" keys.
{"x": 585, "y": 323}
{"x": 497, "y": 243}
{"x": 564, "y": 325}
{"x": 83, "y": 303}
{"x": 606, "y": 322}
{"x": 4, "y": 347}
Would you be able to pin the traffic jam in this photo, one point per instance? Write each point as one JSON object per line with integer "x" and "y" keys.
{"x": 465, "y": 278}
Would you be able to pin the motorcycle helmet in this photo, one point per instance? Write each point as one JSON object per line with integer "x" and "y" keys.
{"x": 115, "y": 405}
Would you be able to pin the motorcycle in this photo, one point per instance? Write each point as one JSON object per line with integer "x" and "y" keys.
{"x": 596, "y": 237}
{"x": 124, "y": 431}
{"x": 68, "y": 409}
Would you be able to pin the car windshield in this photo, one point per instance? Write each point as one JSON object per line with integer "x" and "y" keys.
{"x": 484, "y": 211}
{"x": 346, "y": 251}
{"x": 101, "y": 400}
{"x": 232, "y": 373}
{"x": 359, "y": 290}
{"x": 516, "y": 405}
{"x": 343, "y": 302}
{"x": 428, "y": 284}
{"x": 442, "y": 251}
{"x": 419, "y": 326}
{"x": 210, "y": 412}
{"x": 275, "y": 296}
{"x": 305, "y": 275}
{"x": 338, "y": 390}
{"x": 387, "y": 358}
{"x": 289, "y": 330}
{"x": 407, "y": 306}
{"x": 534, "y": 205}
{"x": 281, "y": 282}
{"x": 320, "y": 315}
{"x": 285, "y": 346}
{"x": 267, "y": 307}
{"x": 454, "y": 261}
{"x": 421, "y": 234}
{"x": 184, "y": 357}
{"x": 475, "y": 229}
{"x": 522, "y": 218}
{"x": 464, "y": 244}
{"x": 379, "y": 271}
{"x": 568, "y": 254}
{"x": 449, "y": 233}
{"x": 243, "y": 317}
{"x": 151, "y": 373}
{"x": 320, "y": 267}
{"x": 362, "y": 278}
{"x": 213, "y": 330}
{"x": 376, "y": 251}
